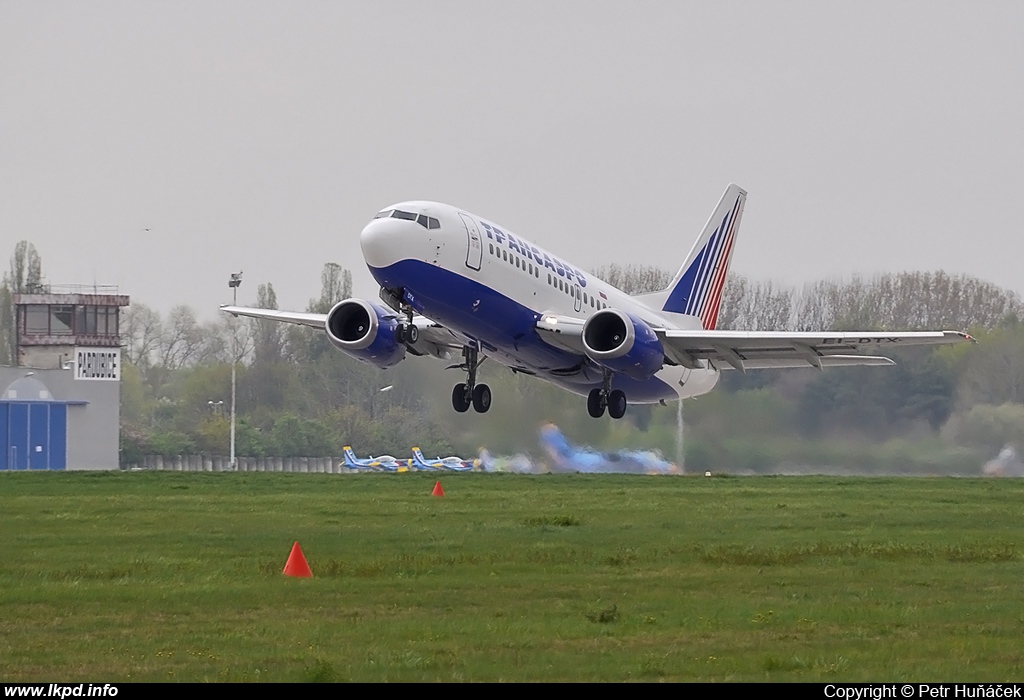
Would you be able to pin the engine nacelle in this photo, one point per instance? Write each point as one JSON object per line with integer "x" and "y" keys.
{"x": 622, "y": 343}
{"x": 366, "y": 331}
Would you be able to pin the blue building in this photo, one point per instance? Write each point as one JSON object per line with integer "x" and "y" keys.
{"x": 33, "y": 426}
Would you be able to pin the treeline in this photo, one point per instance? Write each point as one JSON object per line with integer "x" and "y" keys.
{"x": 902, "y": 301}
{"x": 298, "y": 396}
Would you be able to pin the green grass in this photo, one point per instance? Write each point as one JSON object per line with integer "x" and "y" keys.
{"x": 177, "y": 576}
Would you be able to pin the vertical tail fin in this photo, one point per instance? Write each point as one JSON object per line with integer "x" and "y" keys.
{"x": 696, "y": 289}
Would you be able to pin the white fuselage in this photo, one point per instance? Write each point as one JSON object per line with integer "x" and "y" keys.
{"x": 492, "y": 287}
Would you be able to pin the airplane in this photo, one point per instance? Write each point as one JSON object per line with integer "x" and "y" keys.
{"x": 451, "y": 463}
{"x": 453, "y": 283}
{"x": 382, "y": 463}
{"x": 570, "y": 458}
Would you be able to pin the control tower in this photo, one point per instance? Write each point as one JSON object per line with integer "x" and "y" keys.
{"x": 71, "y": 326}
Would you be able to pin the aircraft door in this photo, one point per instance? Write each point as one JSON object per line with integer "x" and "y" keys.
{"x": 578, "y": 299}
{"x": 475, "y": 247}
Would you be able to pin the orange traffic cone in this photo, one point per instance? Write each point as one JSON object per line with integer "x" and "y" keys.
{"x": 438, "y": 490}
{"x": 297, "y": 565}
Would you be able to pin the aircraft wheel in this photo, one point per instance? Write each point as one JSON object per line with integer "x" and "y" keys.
{"x": 412, "y": 334}
{"x": 400, "y": 333}
{"x": 459, "y": 401}
{"x": 617, "y": 403}
{"x": 481, "y": 398}
{"x": 594, "y": 407}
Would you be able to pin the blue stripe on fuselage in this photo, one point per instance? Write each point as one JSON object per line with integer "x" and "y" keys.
{"x": 503, "y": 326}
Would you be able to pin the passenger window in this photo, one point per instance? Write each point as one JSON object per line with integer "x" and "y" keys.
{"x": 491, "y": 247}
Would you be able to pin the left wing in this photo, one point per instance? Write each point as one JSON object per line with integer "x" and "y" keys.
{"x": 745, "y": 350}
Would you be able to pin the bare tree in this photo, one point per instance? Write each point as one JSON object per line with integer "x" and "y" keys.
{"x": 305, "y": 345}
{"x": 634, "y": 279}
{"x": 335, "y": 285}
{"x": 8, "y": 332}
{"x": 141, "y": 331}
{"x": 181, "y": 339}
{"x": 755, "y": 306}
{"x": 268, "y": 336}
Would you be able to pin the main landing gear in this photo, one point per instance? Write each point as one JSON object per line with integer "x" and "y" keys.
{"x": 613, "y": 399}
{"x": 470, "y": 393}
{"x": 407, "y": 332}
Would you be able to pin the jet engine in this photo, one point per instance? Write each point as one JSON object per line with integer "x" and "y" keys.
{"x": 622, "y": 343}
{"x": 365, "y": 331}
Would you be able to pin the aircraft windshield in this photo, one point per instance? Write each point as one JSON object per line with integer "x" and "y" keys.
{"x": 427, "y": 222}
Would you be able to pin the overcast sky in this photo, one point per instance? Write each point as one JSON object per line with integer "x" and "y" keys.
{"x": 257, "y": 135}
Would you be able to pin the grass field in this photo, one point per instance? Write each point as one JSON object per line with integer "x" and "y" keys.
{"x": 155, "y": 576}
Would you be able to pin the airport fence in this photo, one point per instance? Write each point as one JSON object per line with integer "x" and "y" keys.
{"x": 218, "y": 463}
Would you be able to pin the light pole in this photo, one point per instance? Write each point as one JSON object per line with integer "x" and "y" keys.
{"x": 679, "y": 437}
{"x": 373, "y": 399}
{"x": 234, "y": 282}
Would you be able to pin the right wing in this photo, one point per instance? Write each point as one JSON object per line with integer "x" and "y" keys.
{"x": 434, "y": 339}
{"x": 318, "y": 321}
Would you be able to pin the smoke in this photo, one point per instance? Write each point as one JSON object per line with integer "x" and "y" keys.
{"x": 563, "y": 456}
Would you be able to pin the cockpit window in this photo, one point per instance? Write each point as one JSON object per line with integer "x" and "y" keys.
{"x": 428, "y": 222}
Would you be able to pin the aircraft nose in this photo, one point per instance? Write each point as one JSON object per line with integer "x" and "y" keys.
{"x": 386, "y": 241}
